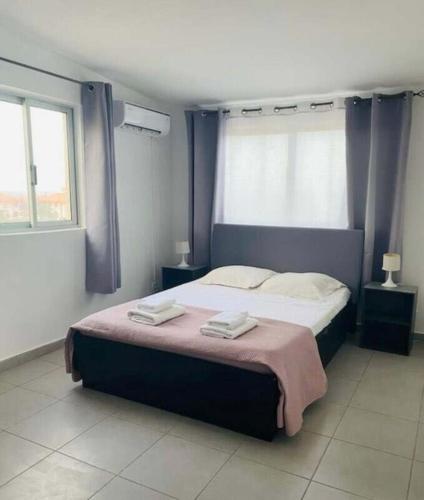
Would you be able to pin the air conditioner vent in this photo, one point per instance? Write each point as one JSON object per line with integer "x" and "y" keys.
{"x": 141, "y": 119}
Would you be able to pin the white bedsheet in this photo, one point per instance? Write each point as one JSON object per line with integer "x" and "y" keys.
{"x": 315, "y": 314}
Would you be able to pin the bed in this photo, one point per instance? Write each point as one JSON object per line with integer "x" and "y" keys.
{"x": 231, "y": 396}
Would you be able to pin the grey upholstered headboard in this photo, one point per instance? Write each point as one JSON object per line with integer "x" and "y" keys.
{"x": 336, "y": 252}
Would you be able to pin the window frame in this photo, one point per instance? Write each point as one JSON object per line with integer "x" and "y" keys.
{"x": 33, "y": 224}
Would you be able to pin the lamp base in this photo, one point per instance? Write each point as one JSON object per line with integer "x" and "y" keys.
{"x": 183, "y": 262}
{"x": 389, "y": 282}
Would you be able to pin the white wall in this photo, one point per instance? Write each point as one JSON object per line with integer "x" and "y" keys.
{"x": 42, "y": 275}
{"x": 413, "y": 243}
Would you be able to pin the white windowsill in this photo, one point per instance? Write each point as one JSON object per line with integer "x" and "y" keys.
{"x": 43, "y": 230}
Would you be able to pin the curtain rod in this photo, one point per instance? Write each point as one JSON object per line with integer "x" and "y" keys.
{"x": 313, "y": 105}
{"x": 40, "y": 70}
{"x": 277, "y": 109}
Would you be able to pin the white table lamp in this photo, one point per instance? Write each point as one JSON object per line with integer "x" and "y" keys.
{"x": 391, "y": 262}
{"x": 183, "y": 248}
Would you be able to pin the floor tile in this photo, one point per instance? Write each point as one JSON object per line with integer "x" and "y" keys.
{"x": 299, "y": 454}
{"x": 208, "y": 435}
{"x": 56, "y": 357}
{"x": 56, "y": 383}
{"x": 16, "y": 455}
{"x": 176, "y": 467}
{"x": 340, "y": 390}
{"x": 18, "y": 403}
{"x": 322, "y": 417}
{"x": 318, "y": 491}
{"x": 419, "y": 452}
{"x": 26, "y": 372}
{"x": 353, "y": 348}
{"x": 418, "y": 348}
{"x": 56, "y": 477}
{"x": 350, "y": 362}
{"x": 391, "y": 434}
{"x": 370, "y": 473}
{"x": 155, "y": 418}
{"x": 57, "y": 424}
{"x": 416, "y": 488}
{"x": 386, "y": 362}
{"x": 398, "y": 395}
{"x": 4, "y": 387}
{"x": 111, "y": 444}
{"x": 126, "y": 490}
{"x": 95, "y": 400}
{"x": 241, "y": 479}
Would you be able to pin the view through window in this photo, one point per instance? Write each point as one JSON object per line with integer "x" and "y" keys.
{"x": 37, "y": 172}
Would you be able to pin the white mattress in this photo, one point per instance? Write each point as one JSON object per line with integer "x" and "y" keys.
{"x": 315, "y": 314}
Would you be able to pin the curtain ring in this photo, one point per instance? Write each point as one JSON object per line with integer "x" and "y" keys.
{"x": 91, "y": 87}
{"x": 203, "y": 113}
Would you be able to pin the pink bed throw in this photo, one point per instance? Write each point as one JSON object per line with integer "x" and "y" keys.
{"x": 290, "y": 351}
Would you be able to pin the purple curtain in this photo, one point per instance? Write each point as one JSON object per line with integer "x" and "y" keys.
{"x": 103, "y": 268}
{"x": 202, "y": 131}
{"x": 377, "y": 142}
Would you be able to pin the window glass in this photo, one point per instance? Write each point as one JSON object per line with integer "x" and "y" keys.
{"x": 37, "y": 168}
{"x": 13, "y": 178}
{"x": 51, "y": 159}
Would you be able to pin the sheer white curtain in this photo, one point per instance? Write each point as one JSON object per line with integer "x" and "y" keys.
{"x": 287, "y": 170}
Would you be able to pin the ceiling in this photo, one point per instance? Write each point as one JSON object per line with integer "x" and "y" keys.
{"x": 208, "y": 51}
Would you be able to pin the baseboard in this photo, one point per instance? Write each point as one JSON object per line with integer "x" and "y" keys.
{"x": 18, "y": 359}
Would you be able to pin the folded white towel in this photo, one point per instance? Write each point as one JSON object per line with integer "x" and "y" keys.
{"x": 223, "y": 333}
{"x": 229, "y": 320}
{"x": 155, "y": 304}
{"x": 155, "y": 319}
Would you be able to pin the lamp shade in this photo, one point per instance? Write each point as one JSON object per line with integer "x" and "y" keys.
{"x": 182, "y": 247}
{"x": 391, "y": 262}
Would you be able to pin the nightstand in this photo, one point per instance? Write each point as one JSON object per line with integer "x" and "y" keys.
{"x": 388, "y": 317}
{"x": 174, "y": 275}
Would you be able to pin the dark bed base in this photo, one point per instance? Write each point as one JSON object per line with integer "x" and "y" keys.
{"x": 237, "y": 399}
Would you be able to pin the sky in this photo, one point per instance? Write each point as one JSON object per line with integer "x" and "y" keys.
{"x": 49, "y": 148}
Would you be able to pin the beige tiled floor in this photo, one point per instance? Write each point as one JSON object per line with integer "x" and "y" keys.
{"x": 363, "y": 440}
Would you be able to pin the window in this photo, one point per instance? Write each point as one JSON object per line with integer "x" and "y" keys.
{"x": 37, "y": 167}
{"x": 285, "y": 170}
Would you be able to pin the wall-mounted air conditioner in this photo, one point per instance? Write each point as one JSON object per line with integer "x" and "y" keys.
{"x": 140, "y": 119}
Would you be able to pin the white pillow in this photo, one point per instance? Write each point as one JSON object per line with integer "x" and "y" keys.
{"x": 313, "y": 286}
{"x": 237, "y": 276}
